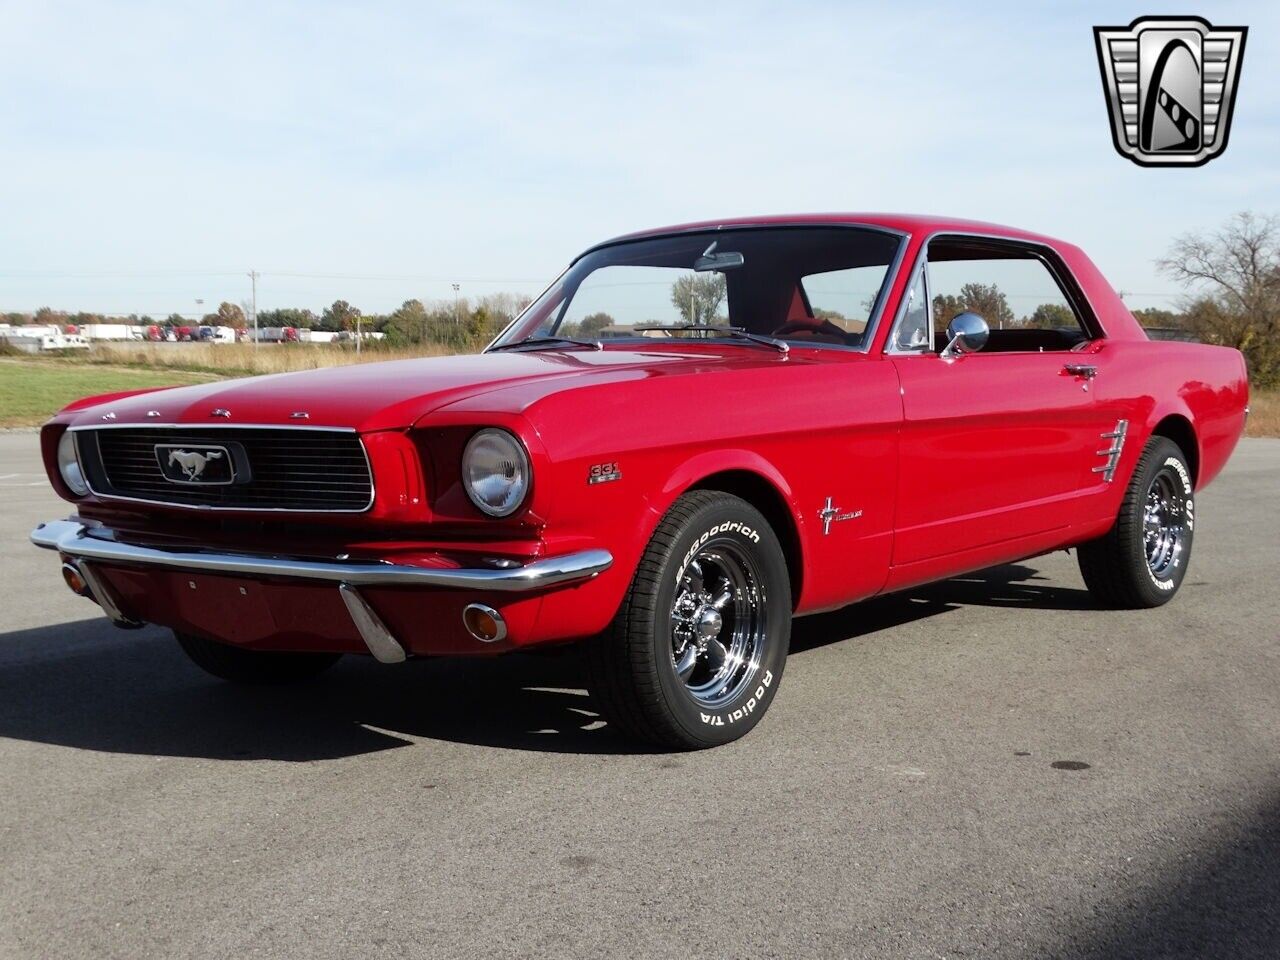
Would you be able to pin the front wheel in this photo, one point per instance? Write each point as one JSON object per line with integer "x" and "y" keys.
{"x": 238, "y": 665}
{"x": 695, "y": 654}
{"x": 1142, "y": 560}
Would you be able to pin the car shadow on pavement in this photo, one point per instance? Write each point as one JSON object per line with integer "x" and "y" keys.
{"x": 88, "y": 685}
{"x": 1014, "y": 585}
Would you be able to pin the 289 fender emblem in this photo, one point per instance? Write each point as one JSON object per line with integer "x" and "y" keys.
{"x": 744, "y": 711}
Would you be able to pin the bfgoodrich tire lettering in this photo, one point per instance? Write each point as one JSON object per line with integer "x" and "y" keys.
{"x": 696, "y": 653}
{"x": 1142, "y": 560}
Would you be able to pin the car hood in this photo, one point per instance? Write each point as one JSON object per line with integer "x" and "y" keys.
{"x": 395, "y": 394}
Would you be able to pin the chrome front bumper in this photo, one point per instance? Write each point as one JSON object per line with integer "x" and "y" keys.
{"x": 98, "y": 545}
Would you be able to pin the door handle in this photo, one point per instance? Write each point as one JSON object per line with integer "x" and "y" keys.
{"x": 1085, "y": 370}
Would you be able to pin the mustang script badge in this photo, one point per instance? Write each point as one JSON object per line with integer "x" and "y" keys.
{"x": 1170, "y": 84}
{"x": 210, "y": 465}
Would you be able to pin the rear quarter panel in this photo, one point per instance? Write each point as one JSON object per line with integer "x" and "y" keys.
{"x": 1149, "y": 381}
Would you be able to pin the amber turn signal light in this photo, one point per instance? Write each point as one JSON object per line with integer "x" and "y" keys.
{"x": 75, "y": 580}
{"x": 484, "y": 623}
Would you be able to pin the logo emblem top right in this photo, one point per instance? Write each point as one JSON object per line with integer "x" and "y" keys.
{"x": 1170, "y": 84}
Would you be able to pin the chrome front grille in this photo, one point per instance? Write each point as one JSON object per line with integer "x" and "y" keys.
{"x": 307, "y": 469}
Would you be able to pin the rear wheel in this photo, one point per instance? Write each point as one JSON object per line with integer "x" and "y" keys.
{"x": 694, "y": 656}
{"x": 239, "y": 665}
{"x": 1142, "y": 560}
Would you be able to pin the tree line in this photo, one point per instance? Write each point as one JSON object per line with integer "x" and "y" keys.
{"x": 459, "y": 326}
{"x": 1231, "y": 275}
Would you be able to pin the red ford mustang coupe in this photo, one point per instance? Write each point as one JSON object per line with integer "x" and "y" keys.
{"x": 692, "y": 436}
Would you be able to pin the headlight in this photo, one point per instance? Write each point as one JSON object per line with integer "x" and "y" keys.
{"x": 495, "y": 472}
{"x": 69, "y": 465}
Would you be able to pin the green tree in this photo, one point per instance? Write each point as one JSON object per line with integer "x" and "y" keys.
{"x": 1156, "y": 317}
{"x": 227, "y": 315}
{"x": 591, "y": 325}
{"x": 1047, "y": 316}
{"x": 407, "y": 323}
{"x": 698, "y": 296}
{"x": 985, "y": 299}
{"x": 287, "y": 317}
{"x": 481, "y": 326}
{"x": 339, "y": 315}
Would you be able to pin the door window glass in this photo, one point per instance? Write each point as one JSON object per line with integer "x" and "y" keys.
{"x": 1010, "y": 287}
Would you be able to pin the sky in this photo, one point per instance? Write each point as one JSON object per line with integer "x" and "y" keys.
{"x": 153, "y": 154}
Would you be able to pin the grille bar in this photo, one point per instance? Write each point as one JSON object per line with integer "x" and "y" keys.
{"x": 305, "y": 469}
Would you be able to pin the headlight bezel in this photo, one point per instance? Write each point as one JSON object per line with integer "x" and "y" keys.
{"x": 523, "y": 471}
{"x": 69, "y": 469}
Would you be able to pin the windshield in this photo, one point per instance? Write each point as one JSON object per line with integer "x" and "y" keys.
{"x": 806, "y": 285}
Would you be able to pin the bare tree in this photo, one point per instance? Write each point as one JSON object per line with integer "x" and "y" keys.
{"x": 1234, "y": 278}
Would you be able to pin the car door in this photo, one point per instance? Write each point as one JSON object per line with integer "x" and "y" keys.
{"x": 995, "y": 445}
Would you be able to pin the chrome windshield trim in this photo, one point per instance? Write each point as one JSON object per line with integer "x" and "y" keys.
{"x": 873, "y": 321}
{"x": 74, "y": 539}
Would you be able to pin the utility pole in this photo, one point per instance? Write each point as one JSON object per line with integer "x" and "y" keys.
{"x": 253, "y": 304}
{"x": 456, "y": 319}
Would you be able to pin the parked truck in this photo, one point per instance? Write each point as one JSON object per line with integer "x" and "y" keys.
{"x": 210, "y": 334}
{"x": 284, "y": 335}
{"x": 107, "y": 331}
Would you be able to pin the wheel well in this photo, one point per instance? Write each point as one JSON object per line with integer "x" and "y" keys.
{"x": 1178, "y": 429}
{"x": 764, "y": 496}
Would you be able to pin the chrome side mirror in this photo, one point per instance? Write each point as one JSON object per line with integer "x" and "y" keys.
{"x": 966, "y": 333}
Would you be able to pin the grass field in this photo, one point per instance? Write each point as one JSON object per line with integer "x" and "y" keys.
{"x": 242, "y": 359}
{"x": 32, "y": 390}
{"x": 1264, "y": 414}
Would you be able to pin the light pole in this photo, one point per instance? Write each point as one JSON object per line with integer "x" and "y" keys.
{"x": 456, "y": 319}
{"x": 253, "y": 304}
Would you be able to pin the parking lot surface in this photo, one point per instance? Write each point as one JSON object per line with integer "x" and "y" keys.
{"x": 988, "y": 767}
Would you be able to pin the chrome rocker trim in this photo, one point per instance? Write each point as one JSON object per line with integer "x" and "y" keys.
{"x": 98, "y": 545}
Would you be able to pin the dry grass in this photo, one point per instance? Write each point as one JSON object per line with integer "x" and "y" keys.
{"x": 32, "y": 390}
{"x": 213, "y": 361}
{"x": 1264, "y": 414}
{"x": 243, "y": 359}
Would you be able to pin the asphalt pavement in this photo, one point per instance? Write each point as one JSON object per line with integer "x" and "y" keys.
{"x": 987, "y": 767}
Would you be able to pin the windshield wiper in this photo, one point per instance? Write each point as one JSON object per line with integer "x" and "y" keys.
{"x": 543, "y": 343}
{"x": 780, "y": 345}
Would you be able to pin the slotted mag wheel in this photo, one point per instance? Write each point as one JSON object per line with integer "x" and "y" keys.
{"x": 718, "y": 624}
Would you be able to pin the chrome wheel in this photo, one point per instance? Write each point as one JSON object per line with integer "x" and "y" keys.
{"x": 718, "y": 623}
{"x": 1165, "y": 524}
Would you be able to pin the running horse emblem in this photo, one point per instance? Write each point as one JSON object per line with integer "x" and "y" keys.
{"x": 193, "y": 463}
